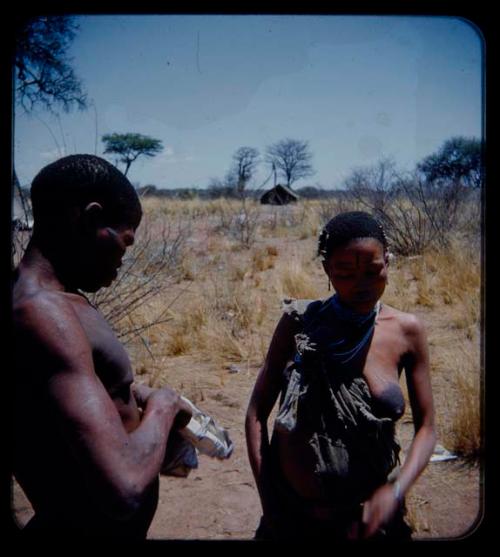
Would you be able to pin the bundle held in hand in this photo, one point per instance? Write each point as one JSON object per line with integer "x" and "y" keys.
{"x": 206, "y": 435}
{"x": 202, "y": 434}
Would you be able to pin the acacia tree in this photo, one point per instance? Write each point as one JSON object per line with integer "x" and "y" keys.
{"x": 458, "y": 161}
{"x": 130, "y": 146}
{"x": 43, "y": 72}
{"x": 43, "y": 75}
{"x": 292, "y": 158}
{"x": 245, "y": 161}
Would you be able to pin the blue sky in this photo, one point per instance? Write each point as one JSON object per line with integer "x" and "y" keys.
{"x": 356, "y": 88}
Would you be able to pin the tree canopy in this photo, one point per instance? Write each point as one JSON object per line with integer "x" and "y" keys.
{"x": 245, "y": 161}
{"x": 43, "y": 75}
{"x": 291, "y": 158}
{"x": 43, "y": 72}
{"x": 130, "y": 146}
{"x": 459, "y": 160}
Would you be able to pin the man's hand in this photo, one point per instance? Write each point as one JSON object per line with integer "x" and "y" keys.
{"x": 181, "y": 412}
{"x": 141, "y": 394}
{"x": 184, "y": 414}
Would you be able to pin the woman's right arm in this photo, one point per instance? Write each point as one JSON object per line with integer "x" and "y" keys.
{"x": 265, "y": 393}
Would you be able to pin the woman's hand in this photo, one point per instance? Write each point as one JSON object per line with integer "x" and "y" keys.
{"x": 379, "y": 509}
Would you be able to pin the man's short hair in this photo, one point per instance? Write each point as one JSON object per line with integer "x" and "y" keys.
{"x": 75, "y": 181}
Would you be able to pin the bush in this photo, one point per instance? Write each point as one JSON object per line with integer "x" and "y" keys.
{"x": 416, "y": 214}
{"x": 150, "y": 267}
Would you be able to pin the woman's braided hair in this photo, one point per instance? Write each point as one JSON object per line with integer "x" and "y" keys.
{"x": 344, "y": 227}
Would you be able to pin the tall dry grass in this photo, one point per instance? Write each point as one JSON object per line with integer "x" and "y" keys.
{"x": 232, "y": 303}
{"x": 264, "y": 258}
{"x": 443, "y": 286}
{"x": 217, "y": 321}
{"x": 222, "y": 303}
{"x": 450, "y": 277}
{"x": 464, "y": 436}
{"x": 401, "y": 288}
{"x": 219, "y": 304}
{"x": 293, "y": 279}
{"x": 457, "y": 380}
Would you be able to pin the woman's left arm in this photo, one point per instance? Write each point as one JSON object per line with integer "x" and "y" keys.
{"x": 380, "y": 508}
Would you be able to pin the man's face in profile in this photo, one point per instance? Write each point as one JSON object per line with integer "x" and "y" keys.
{"x": 102, "y": 251}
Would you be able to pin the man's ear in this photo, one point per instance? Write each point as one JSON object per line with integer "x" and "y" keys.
{"x": 92, "y": 216}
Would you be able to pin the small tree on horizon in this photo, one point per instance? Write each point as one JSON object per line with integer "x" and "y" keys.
{"x": 291, "y": 158}
{"x": 130, "y": 146}
{"x": 245, "y": 161}
{"x": 459, "y": 161}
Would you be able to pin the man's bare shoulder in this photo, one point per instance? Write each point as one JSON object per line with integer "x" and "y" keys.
{"x": 48, "y": 327}
{"x": 32, "y": 306}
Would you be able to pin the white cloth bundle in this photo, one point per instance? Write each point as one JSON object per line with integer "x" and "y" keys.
{"x": 202, "y": 434}
{"x": 206, "y": 435}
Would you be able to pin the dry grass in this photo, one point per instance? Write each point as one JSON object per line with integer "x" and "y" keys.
{"x": 294, "y": 280}
{"x": 228, "y": 313}
{"x": 224, "y": 303}
{"x": 218, "y": 321}
{"x": 264, "y": 258}
{"x": 417, "y": 513}
{"x": 400, "y": 290}
{"x": 462, "y": 430}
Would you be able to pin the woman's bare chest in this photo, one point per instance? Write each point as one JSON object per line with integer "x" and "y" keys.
{"x": 381, "y": 369}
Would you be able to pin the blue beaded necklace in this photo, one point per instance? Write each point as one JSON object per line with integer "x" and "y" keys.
{"x": 338, "y": 349}
{"x": 337, "y": 333}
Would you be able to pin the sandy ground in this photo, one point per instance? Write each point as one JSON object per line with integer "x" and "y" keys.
{"x": 219, "y": 501}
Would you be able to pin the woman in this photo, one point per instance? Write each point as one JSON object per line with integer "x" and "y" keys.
{"x": 331, "y": 470}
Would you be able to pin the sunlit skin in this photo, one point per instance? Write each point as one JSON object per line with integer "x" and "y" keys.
{"x": 358, "y": 272}
{"x": 89, "y": 442}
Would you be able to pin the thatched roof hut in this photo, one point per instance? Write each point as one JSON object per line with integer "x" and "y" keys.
{"x": 279, "y": 195}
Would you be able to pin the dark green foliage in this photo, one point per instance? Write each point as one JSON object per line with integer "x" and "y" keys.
{"x": 44, "y": 75}
{"x": 458, "y": 161}
{"x": 130, "y": 146}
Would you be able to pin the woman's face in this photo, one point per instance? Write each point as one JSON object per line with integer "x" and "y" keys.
{"x": 358, "y": 272}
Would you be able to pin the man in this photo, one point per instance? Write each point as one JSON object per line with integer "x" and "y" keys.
{"x": 89, "y": 444}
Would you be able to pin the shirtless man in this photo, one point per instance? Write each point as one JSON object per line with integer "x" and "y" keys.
{"x": 88, "y": 442}
{"x": 349, "y": 497}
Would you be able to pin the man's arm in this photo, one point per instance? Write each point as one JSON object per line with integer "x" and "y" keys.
{"x": 119, "y": 467}
{"x": 263, "y": 398}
